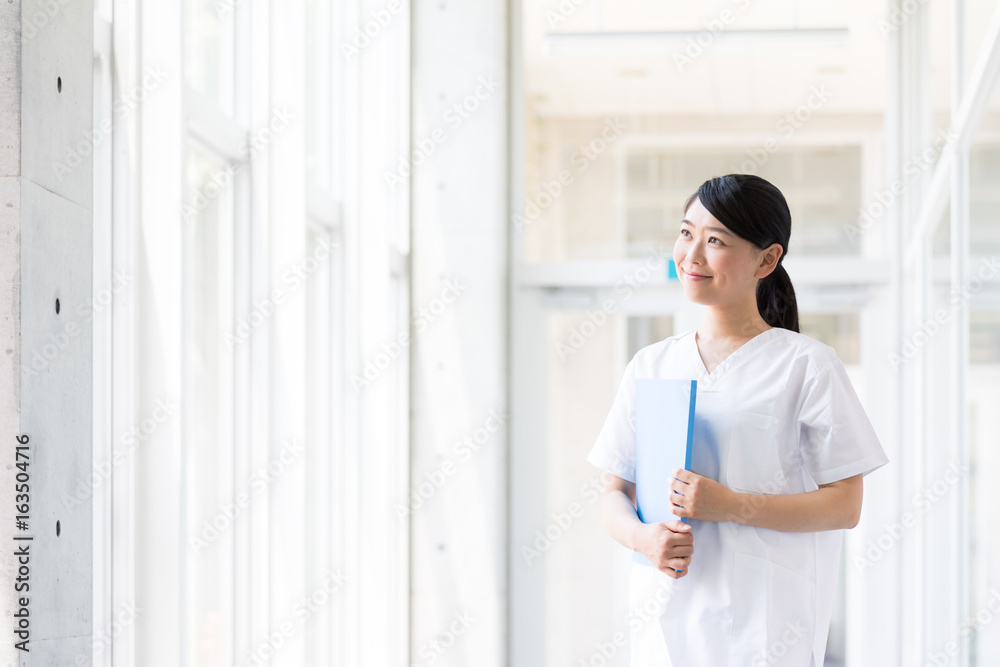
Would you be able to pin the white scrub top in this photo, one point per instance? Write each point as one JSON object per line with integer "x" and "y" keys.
{"x": 778, "y": 415}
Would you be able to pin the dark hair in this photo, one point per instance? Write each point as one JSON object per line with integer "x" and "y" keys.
{"x": 755, "y": 210}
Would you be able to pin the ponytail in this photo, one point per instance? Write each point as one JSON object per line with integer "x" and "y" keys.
{"x": 776, "y": 300}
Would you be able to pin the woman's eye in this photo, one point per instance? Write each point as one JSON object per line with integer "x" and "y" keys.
{"x": 711, "y": 238}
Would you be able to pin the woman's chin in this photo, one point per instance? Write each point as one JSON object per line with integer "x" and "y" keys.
{"x": 696, "y": 295}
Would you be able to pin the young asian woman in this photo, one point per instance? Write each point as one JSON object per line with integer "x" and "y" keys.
{"x": 781, "y": 444}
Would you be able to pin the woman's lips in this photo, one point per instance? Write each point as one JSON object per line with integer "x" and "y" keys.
{"x": 695, "y": 276}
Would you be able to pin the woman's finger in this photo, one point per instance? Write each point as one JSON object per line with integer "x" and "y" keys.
{"x": 679, "y": 563}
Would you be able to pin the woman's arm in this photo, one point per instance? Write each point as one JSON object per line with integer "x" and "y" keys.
{"x": 830, "y": 507}
{"x": 669, "y": 544}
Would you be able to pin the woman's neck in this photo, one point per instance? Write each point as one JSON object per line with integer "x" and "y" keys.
{"x": 732, "y": 323}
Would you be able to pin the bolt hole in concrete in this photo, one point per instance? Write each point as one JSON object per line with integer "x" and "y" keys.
{"x": 58, "y": 529}
{"x": 59, "y": 83}
{"x": 57, "y": 306}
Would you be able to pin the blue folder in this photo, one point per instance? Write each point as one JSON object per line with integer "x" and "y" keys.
{"x": 664, "y": 434}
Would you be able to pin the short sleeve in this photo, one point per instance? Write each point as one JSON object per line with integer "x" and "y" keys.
{"x": 614, "y": 449}
{"x": 836, "y": 438}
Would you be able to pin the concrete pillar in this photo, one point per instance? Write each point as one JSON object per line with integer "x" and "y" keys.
{"x": 46, "y": 183}
{"x": 459, "y": 363}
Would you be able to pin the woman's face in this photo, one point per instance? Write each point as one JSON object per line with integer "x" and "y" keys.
{"x": 731, "y": 265}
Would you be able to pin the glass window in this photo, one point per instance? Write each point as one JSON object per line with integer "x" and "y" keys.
{"x": 208, "y": 409}
{"x": 821, "y": 184}
{"x": 984, "y": 493}
{"x": 320, "y": 56}
{"x": 984, "y": 337}
{"x": 319, "y": 447}
{"x": 584, "y": 366}
{"x": 209, "y": 50}
{"x": 643, "y": 331}
{"x": 984, "y": 204}
{"x": 838, "y": 330}
{"x": 984, "y": 199}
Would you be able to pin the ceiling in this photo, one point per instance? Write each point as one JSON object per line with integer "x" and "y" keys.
{"x": 742, "y": 69}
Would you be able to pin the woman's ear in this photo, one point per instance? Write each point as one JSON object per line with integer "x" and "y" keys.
{"x": 767, "y": 260}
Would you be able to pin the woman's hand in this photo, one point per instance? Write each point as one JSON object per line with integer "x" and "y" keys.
{"x": 698, "y": 497}
{"x": 667, "y": 544}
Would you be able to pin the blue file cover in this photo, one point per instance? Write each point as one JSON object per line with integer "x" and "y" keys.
{"x": 664, "y": 434}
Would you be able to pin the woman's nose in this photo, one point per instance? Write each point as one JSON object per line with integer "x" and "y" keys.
{"x": 694, "y": 253}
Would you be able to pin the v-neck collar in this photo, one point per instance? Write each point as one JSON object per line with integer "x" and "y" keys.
{"x": 720, "y": 369}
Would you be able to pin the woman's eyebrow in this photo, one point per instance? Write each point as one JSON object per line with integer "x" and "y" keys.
{"x": 711, "y": 229}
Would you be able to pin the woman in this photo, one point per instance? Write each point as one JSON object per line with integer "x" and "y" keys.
{"x": 781, "y": 443}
